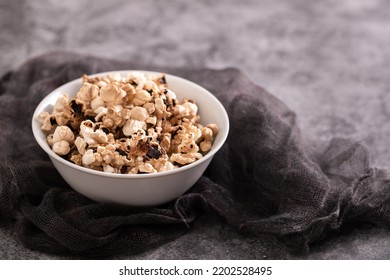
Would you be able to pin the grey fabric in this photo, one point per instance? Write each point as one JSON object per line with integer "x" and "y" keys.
{"x": 264, "y": 180}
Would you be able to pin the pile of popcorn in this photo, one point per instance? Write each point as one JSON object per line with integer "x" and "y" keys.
{"x": 127, "y": 125}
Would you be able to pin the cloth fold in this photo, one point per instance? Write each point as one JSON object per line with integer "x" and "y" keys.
{"x": 261, "y": 181}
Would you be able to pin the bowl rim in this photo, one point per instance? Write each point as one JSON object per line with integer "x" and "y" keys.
{"x": 215, "y": 148}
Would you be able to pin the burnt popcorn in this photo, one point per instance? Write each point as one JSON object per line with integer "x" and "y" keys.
{"x": 53, "y": 121}
{"x": 121, "y": 152}
{"x": 128, "y": 125}
{"x": 76, "y": 108}
{"x": 163, "y": 80}
{"x": 153, "y": 152}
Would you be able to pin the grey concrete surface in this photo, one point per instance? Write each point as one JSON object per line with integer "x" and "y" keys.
{"x": 327, "y": 60}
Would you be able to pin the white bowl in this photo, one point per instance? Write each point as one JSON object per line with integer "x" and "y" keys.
{"x": 137, "y": 189}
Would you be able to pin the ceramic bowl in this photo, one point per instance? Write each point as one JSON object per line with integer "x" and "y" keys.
{"x": 137, "y": 189}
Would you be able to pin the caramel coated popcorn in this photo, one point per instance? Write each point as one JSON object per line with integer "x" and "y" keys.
{"x": 127, "y": 125}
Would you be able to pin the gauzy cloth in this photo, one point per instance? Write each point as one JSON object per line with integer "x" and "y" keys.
{"x": 262, "y": 181}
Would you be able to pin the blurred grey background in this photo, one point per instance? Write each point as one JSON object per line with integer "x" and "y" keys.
{"x": 327, "y": 60}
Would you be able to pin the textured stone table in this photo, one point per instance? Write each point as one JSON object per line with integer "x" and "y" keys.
{"x": 327, "y": 60}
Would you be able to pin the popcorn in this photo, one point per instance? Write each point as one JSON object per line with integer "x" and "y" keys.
{"x": 60, "y": 140}
{"x": 184, "y": 159}
{"x": 207, "y": 135}
{"x": 45, "y": 119}
{"x": 133, "y": 126}
{"x": 81, "y": 145}
{"x": 63, "y": 133}
{"x": 111, "y": 94}
{"x": 61, "y": 147}
{"x": 127, "y": 125}
{"x": 139, "y": 114}
{"x": 87, "y": 93}
{"x": 141, "y": 97}
{"x": 112, "y": 118}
